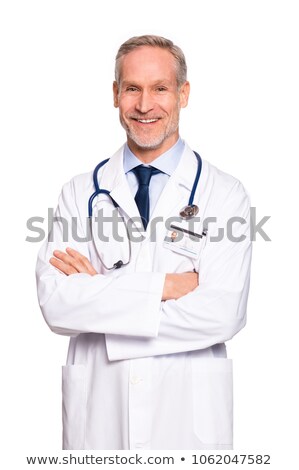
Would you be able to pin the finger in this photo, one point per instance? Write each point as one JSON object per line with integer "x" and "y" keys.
{"x": 70, "y": 260}
{"x": 76, "y": 260}
{"x": 63, "y": 267}
{"x": 82, "y": 259}
{"x": 196, "y": 277}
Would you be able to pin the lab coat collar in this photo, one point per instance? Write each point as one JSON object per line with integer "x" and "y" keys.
{"x": 185, "y": 172}
{"x": 113, "y": 179}
{"x": 176, "y": 192}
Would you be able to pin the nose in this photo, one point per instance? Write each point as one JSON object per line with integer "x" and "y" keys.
{"x": 145, "y": 102}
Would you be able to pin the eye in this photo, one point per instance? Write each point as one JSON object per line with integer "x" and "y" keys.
{"x": 131, "y": 89}
{"x": 161, "y": 89}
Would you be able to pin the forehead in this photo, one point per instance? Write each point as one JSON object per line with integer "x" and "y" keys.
{"x": 148, "y": 63}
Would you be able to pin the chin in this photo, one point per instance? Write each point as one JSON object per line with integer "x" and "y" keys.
{"x": 152, "y": 144}
{"x": 148, "y": 145}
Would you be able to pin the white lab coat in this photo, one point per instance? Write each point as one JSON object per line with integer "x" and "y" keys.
{"x": 141, "y": 373}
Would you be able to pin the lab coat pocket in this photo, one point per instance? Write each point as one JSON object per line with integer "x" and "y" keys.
{"x": 213, "y": 401}
{"x": 74, "y": 406}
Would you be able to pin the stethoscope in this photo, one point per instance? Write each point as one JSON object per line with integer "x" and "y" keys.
{"x": 188, "y": 212}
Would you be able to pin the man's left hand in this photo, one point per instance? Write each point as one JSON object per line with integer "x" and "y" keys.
{"x": 71, "y": 262}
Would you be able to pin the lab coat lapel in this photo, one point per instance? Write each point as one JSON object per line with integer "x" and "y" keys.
{"x": 113, "y": 179}
{"x": 176, "y": 192}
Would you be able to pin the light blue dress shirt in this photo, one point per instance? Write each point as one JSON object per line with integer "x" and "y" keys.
{"x": 167, "y": 163}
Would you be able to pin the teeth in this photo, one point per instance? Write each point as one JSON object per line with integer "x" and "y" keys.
{"x": 146, "y": 121}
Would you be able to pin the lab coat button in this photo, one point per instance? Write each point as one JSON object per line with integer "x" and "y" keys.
{"x": 135, "y": 380}
{"x": 139, "y": 446}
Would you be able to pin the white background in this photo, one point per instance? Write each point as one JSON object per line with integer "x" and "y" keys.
{"x": 57, "y": 120}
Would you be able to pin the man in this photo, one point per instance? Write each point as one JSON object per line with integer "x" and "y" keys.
{"x": 147, "y": 365}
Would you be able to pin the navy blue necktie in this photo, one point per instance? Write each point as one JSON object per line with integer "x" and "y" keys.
{"x": 144, "y": 174}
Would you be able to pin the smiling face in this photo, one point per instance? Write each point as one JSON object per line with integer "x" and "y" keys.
{"x": 149, "y": 101}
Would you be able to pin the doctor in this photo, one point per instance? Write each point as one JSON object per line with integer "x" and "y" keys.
{"x": 147, "y": 365}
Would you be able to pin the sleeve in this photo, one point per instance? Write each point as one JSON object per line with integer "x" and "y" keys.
{"x": 122, "y": 304}
{"x": 216, "y": 310}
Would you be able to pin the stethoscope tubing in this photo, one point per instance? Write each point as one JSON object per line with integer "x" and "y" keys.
{"x": 98, "y": 190}
{"x": 196, "y": 179}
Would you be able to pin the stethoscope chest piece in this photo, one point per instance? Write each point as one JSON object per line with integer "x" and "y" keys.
{"x": 189, "y": 211}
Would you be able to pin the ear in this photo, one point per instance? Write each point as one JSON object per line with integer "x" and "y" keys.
{"x": 184, "y": 94}
{"x": 115, "y": 94}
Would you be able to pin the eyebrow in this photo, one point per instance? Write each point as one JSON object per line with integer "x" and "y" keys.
{"x": 157, "y": 82}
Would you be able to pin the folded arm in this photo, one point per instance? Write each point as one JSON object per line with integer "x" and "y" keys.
{"x": 176, "y": 285}
{"x": 75, "y": 299}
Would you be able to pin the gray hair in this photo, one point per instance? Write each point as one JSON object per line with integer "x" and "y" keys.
{"x": 153, "y": 41}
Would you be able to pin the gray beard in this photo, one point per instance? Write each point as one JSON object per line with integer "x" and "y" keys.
{"x": 150, "y": 143}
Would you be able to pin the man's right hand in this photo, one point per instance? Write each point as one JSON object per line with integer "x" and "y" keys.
{"x": 177, "y": 285}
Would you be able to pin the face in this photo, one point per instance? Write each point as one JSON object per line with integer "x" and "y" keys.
{"x": 149, "y": 100}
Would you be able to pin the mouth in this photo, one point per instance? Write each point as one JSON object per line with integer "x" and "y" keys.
{"x": 145, "y": 121}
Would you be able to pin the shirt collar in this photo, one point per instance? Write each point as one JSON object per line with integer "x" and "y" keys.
{"x": 167, "y": 162}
